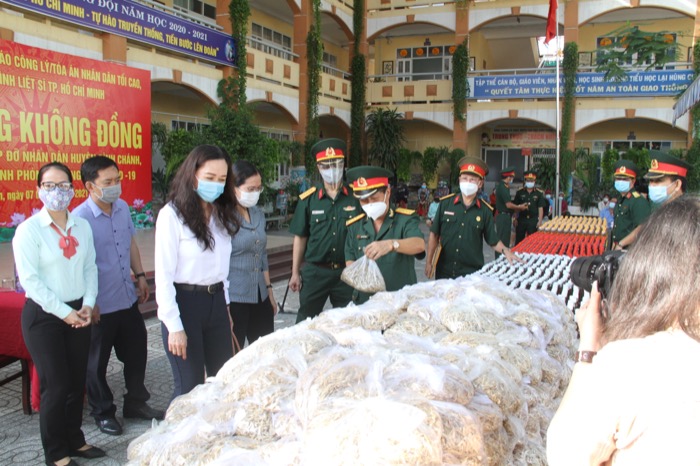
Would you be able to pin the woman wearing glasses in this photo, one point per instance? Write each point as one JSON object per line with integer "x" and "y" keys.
{"x": 55, "y": 260}
{"x": 252, "y": 305}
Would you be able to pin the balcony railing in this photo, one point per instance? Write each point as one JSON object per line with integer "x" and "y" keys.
{"x": 387, "y": 5}
{"x": 338, "y": 73}
{"x": 182, "y": 13}
{"x": 271, "y": 49}
{"x": 377, "y": 78}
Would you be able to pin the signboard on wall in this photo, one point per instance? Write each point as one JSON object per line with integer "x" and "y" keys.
{"x": 141, "y": 23}
{"x": 533, "y": 86}
{"x": 63, "y": 108}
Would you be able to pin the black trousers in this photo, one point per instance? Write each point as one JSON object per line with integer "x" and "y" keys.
{"x": 525, "y": 227}
{"x": 252, "y": 320}
{"x": 124, "y": 331}
{"x": 209, "y": 338}
{"x": 60, "y": 353}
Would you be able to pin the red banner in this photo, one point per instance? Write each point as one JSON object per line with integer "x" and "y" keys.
{"x": 63, "y": 108}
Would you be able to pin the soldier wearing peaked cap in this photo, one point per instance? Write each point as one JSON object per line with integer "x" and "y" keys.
{"x": 667, "y": 177}
{"x": 534, "y": 204}
{"x": 632, "y": 208}
{"x": 386, "y": 234}
{"x": 505, "y": 206}
{"x": 319, "y": 232}
{"x": 462, "y": 223}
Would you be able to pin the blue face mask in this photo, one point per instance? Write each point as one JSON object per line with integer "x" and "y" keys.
{"x": 622, "y": 186}
{"x": 209, "y": 191}
{"x": 658, "y": 194}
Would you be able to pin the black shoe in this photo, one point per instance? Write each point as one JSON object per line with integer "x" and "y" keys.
{"x": 70, "y": 463}
{"x": 90, "y": 453}
{"x": 143, "y": 412}
{"x": 109, "y": 426}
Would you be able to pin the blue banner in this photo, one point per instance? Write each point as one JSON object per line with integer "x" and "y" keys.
{"x": 141, "y": 23}
{"x": 535, "y": 86}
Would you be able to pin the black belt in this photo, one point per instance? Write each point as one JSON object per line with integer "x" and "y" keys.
{"x": 329, "y": 265}
{"x": 211, "y": 289}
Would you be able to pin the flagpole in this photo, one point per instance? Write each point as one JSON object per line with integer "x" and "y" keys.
{"x": 557, "y": 208}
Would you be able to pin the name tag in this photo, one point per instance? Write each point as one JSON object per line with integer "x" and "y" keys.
{"x": 349, "y": 208}
{"x": 447, "y": 212}
{"x": 317, "y": 212}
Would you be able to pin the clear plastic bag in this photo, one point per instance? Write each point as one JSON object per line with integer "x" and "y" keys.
{"x": 364, "y": 275}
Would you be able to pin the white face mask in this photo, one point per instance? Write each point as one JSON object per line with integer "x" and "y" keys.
{"x": 612, "y": 205}
{"x": 530, "y": 184}
{"x": 468, "y": 188}
{"x": 374, "y": 210}
{"x": 247, "y": 199}
{"x": 332, "y": 175}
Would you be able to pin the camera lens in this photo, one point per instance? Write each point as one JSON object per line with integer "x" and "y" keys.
{"x": 583, "y": 271}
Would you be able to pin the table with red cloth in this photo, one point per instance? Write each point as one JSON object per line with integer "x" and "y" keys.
{"x": 11, "y": 340}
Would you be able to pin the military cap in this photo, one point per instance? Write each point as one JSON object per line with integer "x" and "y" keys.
{"x": 328, "y": 149}
{"x": 663, "y": 164}
{"x": 530, "y": 175}
{"x": 508, "y": 171}
{"x": 626, "y": 168}
{"x": 365, "y": 180}
{"x": 473, "y": 165}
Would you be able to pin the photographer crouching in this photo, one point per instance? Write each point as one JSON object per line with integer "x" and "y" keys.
{"x": 634, "y": 395}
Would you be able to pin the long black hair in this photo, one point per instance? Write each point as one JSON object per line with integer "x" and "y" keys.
{"x": 187, "y": 202}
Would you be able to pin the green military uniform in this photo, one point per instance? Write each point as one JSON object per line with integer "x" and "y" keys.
{"x": 397, "y": 269}
{"x": 322, "y": 219}
{"x": 527, "y": 219}
{"x": 504, "y": 217}
{"x": 462, "y": 231}
{"x": 632, "y": 208}
{"x": 630, "y": 211}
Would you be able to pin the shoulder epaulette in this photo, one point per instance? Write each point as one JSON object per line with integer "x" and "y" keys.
{"x": 487, "y": 204}
{"x": 307, "y": 193}
{"x": 447, "y": 197}
{"x": 538, "y": 189}
{"x": 354, "y": 219}
{"x": 401, "y": 210}
{"x": 635, "y": 194}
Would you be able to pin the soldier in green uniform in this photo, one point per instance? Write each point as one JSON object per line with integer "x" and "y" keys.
{"x": 462, "y": 223}
{"x": 505, "y": 207}
{"x": 632, "y": 208}
{"x": 319, "y": 233}
{"x": 387, "y": 235}
{"x": 534, "y": 201}
{"x": 667, "y": 178}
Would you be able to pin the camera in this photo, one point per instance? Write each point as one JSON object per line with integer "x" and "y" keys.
{"x": 602, "y": 269}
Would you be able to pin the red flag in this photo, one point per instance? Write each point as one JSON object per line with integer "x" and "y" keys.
{"x": 551, "y": 22}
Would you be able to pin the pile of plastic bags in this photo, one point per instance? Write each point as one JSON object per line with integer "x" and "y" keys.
{"x": 463, "y": 371}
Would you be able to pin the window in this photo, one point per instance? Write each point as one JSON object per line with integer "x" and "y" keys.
{"x": 271, "y": 42}
{"x": 197, "y": 6}
{"x": 424, "y": 63}
{"x": 187, "y": 125}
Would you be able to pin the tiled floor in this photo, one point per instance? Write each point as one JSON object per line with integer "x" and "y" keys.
{"x": 19, "y": 434}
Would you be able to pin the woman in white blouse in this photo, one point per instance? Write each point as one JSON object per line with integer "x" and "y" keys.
{"x": 55, "y": 259}
{"x": 192, "y": 250}
{"x": 634, "y": 395}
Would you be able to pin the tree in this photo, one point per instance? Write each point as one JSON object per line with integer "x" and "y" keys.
{"x": 629, "y": 45}
{"x": 385, "y": 135}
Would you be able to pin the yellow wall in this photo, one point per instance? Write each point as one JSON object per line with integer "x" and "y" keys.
{"x": 186, "y": 107}
{"x": 480, "y": 50}
{"x": 645, "y": 130}
{"x": 421, "y": 134}
{"x": 272, "y": 120}
{"x": 683, "y": 27}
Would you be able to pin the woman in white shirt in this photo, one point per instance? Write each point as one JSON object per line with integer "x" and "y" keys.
{"x": 192, "y": 251}
{"x": 634, "y": 395}
{"x": 55, "y": 259}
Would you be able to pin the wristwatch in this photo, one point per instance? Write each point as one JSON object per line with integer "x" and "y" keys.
{"x": 395, "y": 245}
